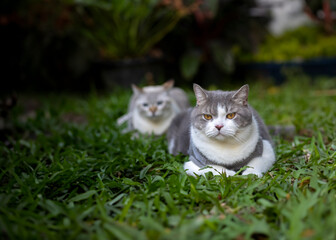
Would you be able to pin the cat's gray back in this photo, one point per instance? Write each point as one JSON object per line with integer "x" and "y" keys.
{"x": 179, "y": 97}
{"x": 178, "y": 134}
{"x": 263, "y": 130}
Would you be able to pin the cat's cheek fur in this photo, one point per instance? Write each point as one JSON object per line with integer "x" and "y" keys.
{"x": 262, "y": 164}
{"x": 144, "y": 125}
{"x": 229, "y": 129}
{"x": 210, "y": 130}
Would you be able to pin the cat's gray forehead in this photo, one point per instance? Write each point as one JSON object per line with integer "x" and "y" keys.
{"x": 218, "y": 98}
{"x": 152, "y": 96}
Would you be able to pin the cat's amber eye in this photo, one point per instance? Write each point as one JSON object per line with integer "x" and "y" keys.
{"x": 207, "y": 116}
{"x": 231, "y": 115}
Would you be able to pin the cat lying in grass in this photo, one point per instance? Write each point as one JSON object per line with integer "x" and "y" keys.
{"x": 152, "y": 108}
{"x": 222, "y": 134}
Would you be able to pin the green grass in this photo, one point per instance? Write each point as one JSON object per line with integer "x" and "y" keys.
{"x": 65, "y": 178}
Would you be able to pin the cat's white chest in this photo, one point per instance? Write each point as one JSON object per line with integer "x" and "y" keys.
{"x": 145, "y": 125}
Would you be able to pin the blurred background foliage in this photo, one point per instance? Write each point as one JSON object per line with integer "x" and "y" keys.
{"x": 206, "y": 37}
{"x": 53, "y": 43}
{"x": 128, "y": 29}
{"x": 61, "y": 44}
{"x": 316, "y": 40}
{"x": 306, "y": 42}
{"x": 43, "y": 45}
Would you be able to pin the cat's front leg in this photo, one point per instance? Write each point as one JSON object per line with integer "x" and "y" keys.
{"x": 192, "y": 169}
{"x": 230, "y": 173}
{"x": 124, "y": 118}
{"x": 259, "y": 165}
{"x": 252, "y": 171}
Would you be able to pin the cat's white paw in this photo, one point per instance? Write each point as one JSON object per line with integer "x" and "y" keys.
{"x": 252, "y": 171}
{"x": 192, "y": 169}
{"x": 123, "y": 119}
{"x": 229, "y": 173}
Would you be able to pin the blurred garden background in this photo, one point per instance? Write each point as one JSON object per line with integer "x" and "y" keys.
{"x": 68, "y": 171}
{"x": 84, "y": 44}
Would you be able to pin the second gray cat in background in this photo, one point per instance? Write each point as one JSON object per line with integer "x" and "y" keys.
{"x": 152, "y": 108}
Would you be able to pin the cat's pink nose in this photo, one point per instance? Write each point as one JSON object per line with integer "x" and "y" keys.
{"x": 219, "y": 127}
{"x": 153, "y": 109}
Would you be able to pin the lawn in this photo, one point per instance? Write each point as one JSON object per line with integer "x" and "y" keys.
{"x": 67, "y": 172}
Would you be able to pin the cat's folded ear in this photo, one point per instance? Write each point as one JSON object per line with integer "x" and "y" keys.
{"x": 241, "y": 96}
{"x": 136, "y": 89}
{"x": 201, "y": 96}
{"x": 169, "y": 84}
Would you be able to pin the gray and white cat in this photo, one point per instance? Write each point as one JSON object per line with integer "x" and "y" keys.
{"x": 152, "y": 108}
{"x": 222, "y": 134}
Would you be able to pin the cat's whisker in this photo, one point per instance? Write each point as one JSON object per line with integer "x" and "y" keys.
{"x": 232, "y": 134}
{"x": 211, "y": 134}
{"x": 237, "y": 139}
